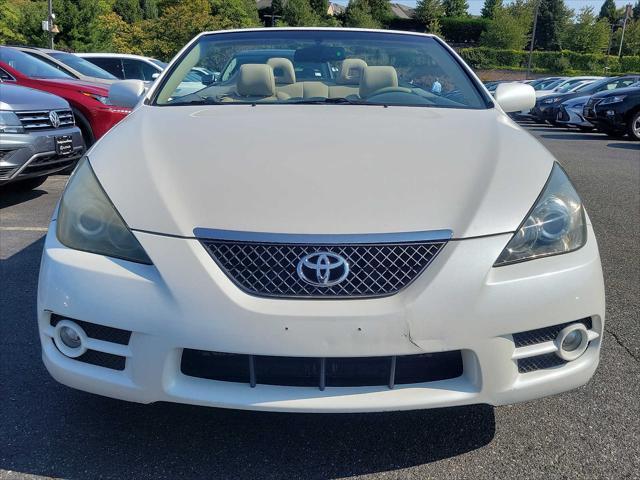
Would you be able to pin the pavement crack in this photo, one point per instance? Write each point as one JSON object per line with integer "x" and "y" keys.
{"x": 619, "y": 342}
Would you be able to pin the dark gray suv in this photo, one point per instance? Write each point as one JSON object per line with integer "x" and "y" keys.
{"x": 38, "y": 136}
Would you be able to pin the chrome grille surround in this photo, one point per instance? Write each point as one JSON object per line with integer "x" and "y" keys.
{"x": 39, "y": 119}
{"x": 379, "y": 264}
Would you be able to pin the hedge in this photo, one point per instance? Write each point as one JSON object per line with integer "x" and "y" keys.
{"x": 463, "y": 30}
{"x": 551, "y": 62}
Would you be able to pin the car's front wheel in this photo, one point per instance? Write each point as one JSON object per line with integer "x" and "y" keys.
{"x": 633, "y": 128}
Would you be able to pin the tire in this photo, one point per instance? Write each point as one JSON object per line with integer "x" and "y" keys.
{"x": 633, "y": 127}
{"x": 85, "y": 128}
{"x": 29, "y": 184}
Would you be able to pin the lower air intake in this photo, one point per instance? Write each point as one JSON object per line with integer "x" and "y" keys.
{"x": 322, "y": 372}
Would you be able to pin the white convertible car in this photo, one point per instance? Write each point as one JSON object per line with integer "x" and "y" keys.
{"x": 352, "y": 225}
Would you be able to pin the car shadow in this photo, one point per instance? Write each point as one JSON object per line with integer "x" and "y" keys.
{"x": 10, "y": 197}
{"x": 573, "y": 136}
{"x": 52, "y": 430}
{"x": 625, "y": 146}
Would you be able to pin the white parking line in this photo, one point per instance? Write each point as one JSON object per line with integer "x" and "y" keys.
{"x": 23, "y": 229}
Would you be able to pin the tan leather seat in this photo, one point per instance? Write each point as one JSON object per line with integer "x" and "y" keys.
{"x": 255, "y": 83}
{"x": 377, "y": 78}
{"x": 285, "y": 77}
{"x": 348, "y": 81}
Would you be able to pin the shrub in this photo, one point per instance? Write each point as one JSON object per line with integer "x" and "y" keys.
{"x": 464, "y": 29}
{"x": 550, "y": 62}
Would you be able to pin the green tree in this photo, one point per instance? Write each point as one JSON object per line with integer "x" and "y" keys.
{"x": 10, "y": 22}
{"x": 321, "y": 7}
{"x": 129, "y": 10}
{"x": 149, "y": 9}
{"x": 380, "y": 10}
{"x": 588, "y": 34}
{"x": 608, "y": 11}
{"x": 489, "y": 7}
{"x": 177, "y": 25}
{"x": 506, "y": 31}
{"x": 298, "y": 13}
{"x": 77, "y": 20}
{"x": 358, "y": 15}
{"x": 636, "y": 10}
{"x": 235, "y": 13}
{"x": 553, "y": 18}
{"x": 429, "y": 12}
{"x": 455, "y": 8}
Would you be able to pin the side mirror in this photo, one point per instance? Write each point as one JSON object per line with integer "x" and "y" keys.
{"x": 514, "y": 97}
{"x": 126, "y": 93}
{"x": 155, "y": 75}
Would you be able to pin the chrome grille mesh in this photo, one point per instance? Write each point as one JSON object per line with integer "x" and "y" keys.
{"x": 39, "y": 120}
{"x": 269, "y": 269}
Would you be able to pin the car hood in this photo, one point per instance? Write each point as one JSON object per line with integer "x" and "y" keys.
{"x": 617, "y": 91}
{"x": 576, "y": 101}
{"x": 320, "y": 169}
{"x": 15, "y": 97}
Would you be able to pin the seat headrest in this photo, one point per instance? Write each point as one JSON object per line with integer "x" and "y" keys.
{"x": 256, "y": 80}
{"x": 376, "y": 78}
{"x": 351, "y": 71}
{"x": 283, "y": 70}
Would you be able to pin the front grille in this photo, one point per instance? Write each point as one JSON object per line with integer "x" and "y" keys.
{"x": 99, "y": 332}
{"x": 563, "y": 115}
{"x": 269, "y": 269}
{"x": 546, "y": 334}
{"x": 6, "y": 172}
{"x": 321, "y": 372}
{"x": 40, "y": 120}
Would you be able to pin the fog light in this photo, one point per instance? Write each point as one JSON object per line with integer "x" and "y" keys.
{"x": 572, "y": 341}
{"x": 611, "y": 113}
{"x": 70, "y": 338}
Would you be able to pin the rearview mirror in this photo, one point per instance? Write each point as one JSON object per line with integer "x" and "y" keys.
{"x": 514, "y": 97}
{"x": 126, "y": 93}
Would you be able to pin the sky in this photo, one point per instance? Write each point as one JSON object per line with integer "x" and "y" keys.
{"x": 476, "y": 5}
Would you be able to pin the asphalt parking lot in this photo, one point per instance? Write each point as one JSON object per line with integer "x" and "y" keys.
{"x": 49, "y": 430}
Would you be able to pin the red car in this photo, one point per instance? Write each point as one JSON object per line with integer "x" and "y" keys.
{"x": 89, "y": 102}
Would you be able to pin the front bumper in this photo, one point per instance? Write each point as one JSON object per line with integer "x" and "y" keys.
{"x": 185, "y": 301}
{"x": 572, "y": 116}
{"x": 33, "y": 154}
{"x": 545, "y": 112}
{"x": 610, "y": 118}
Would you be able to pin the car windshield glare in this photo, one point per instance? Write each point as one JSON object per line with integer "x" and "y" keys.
{"x": 82, "y": 65}
{"x": 320, "y": 66}
{"x": 30, "y": 66}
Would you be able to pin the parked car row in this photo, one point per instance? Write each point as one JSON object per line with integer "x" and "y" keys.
{"x": 55, "y": 104}
{"x": 610, "y": 105}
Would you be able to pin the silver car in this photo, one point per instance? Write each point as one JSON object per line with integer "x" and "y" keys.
{"x": 38, "y": 136}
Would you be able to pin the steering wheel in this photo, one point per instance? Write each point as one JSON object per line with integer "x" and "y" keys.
{"x": 384, "y": 90}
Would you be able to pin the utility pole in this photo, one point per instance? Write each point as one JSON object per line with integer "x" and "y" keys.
{"x": 533, "y": 38}
{"x": 627, "y": 14}
{"x": 51, "y": 18}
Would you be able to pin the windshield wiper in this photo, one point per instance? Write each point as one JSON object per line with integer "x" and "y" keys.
{"x": 334, "y": 101}
{"x": 195, "y": 101}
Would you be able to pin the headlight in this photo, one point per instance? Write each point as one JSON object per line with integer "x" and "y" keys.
{"x": 10, "y": 123}
{"x": 88, "y": 221}
{"x": 610, "y": 100}
{"x": 556, "y": 223}
{"x": 100, "y": 98}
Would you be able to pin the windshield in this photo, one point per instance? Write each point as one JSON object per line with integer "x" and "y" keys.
{"x": 29, "y": 66}
{"x": 320, "y": 66}
{"x": 82, "y": 66}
